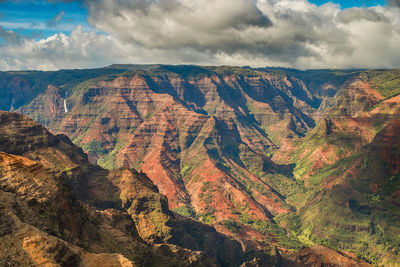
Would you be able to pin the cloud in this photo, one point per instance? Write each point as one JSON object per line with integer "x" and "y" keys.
{"x": 354, "y": 14}
{"x": 56, "y": 19}
{"x": 395, "y": 3}
{"x": 292, "y": 33}
{"x": 9, "y": 37}
{"x": 78, "y": 50}
{"x": 289, "y": 33}
{"x": 205, "y": 25}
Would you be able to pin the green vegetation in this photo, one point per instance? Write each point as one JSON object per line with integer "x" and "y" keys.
{"x": 207, "y": 217}
{"x": 274, "y": 232}
{"x": 343, "y": 218}
{"x": 232, "y": 225}
{"x": 187, "y": 211}
{"x": 387, "y": 81}
{"x": 108, "y": 161}
{"x": 230, "y": 70}
{"x": 95, "y": 148}
{"x": 186, "y": 170}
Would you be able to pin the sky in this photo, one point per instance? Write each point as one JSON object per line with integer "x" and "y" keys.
{"x": 60, "y": 34}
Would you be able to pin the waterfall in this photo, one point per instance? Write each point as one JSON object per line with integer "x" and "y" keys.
{"x": 65, "y": 106}
{"x": 65, "y": 103}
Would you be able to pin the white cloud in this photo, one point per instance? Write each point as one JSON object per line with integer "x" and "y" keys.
{"x": 79, "y": 50}
{"x": 290, "y": 33}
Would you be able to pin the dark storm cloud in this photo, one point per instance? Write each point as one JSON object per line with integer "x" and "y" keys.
{"x": 204, "y": 25}
{"x": 395, "y": 3}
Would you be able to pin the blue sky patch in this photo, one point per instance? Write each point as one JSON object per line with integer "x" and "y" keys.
{"x": 42, "y": 18}
{"x": 351, "y": 3}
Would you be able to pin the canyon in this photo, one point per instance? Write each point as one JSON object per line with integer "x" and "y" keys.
{"x": 210, "y": 165}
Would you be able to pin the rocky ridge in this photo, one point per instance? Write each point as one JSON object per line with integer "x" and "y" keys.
{"x": 264, "y": 155}
{"x": 58, "y": 209}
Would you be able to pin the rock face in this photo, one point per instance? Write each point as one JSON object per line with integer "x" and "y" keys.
{"x": 321, "y": 256}
{"x": 193, "y": 138}
{"x": 58, "y": 209}
{"x": 267, "y": 156}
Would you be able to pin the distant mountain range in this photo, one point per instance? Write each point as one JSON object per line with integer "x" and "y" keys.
{"x": 256, "y": 165}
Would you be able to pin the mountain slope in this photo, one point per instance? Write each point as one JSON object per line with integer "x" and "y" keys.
{"x": 55, "y": 211}
{"x": 264, "y": 155}
{"x": 349, "y": 164}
